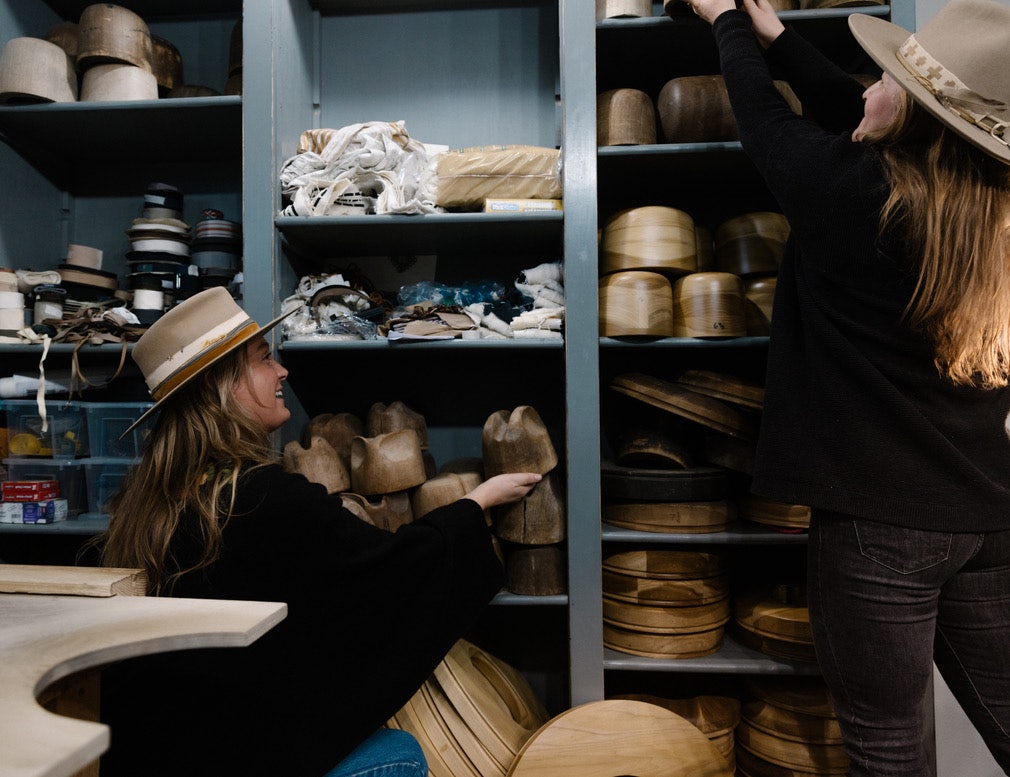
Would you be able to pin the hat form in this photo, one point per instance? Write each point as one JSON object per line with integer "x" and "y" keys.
{"x": 189, "y": 338}
{"x": 953, "y": 67}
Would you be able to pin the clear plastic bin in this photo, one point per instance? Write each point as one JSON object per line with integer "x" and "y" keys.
{"x": 69, "y": 473}
{"x": 65, "y": 437}
{"x": 104, "y": 476}
{"x": 107, "y": 422}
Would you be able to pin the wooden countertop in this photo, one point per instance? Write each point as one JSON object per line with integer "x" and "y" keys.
{"x": 45, "y": 638}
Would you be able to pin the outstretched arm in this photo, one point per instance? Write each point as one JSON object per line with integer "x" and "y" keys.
{"x": 502, "y": 489}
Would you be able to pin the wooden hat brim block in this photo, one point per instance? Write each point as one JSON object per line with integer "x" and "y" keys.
{"x": 639, "y": 643}
{"x": 638, "y": 484}
{"x": 786, "y": 724}
{"x": 821, "y": 759}
{"x": 656, "y": 619}
{"x": 618, "y": 736}
{"x": 808, "y": 695}
{"x": 685, "y": 517}
{"x": 728, "y": 388}
{"x": 660, "y": 563}
{"x": 672, "y": 593}
{"x": 712, "y": 715}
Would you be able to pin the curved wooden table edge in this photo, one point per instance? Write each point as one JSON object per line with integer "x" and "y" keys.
{"x": 45, "y": 638}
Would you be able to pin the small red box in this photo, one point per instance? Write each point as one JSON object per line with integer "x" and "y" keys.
{"x": 30, "y": 490}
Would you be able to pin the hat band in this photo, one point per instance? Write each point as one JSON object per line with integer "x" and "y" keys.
{"x": 950, "y": 91}
{"x": 189, "y": 360}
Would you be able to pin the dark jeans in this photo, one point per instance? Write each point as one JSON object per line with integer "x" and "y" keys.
{"x": 885, "y": 603}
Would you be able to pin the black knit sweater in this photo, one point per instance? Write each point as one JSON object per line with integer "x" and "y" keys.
{"x": 370, "y": 614}
{"x": 856, "y": 418}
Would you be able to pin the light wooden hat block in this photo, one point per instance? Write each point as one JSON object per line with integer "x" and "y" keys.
{"x": 386, "y": 463}
{"x": 108, "y": 33}
{"x": 619, "y": 736}
{"x": 319, "y": 463}
{"x": 32, "y": 69}
{"x": 665, "y": 563}
{"x": 651, "y": 237}
{"x": 709, "y": 305}
{"x": 115, "y": 82}
{"x": 445, "y": 488}
{"x": 517, "y": 441}
{"x": 658, "y": 619}
{"x": 338, "y": 429}
{"x": 625, "y": 117}
{"x": 610, "y": 9}
{"x": 382, "y": 419}
{"x": 636, "y": 303}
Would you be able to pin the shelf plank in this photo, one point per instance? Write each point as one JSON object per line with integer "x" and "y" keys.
{"x": 147, "y": 9}
{"x": 731, "y": 658}
{"x": 62, "y": 139}
{"x": 741, "y": 533}
{"x": 337, "y": 7}
{"x": 385, "y": 234}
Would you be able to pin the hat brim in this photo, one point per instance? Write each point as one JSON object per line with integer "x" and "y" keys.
{"x": 881, "y": 39}
{"x": 231, "y": 347}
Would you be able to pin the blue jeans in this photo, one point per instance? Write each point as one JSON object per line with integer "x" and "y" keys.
{"x": 387, "y": 753}
{"x": 885, "y": 603}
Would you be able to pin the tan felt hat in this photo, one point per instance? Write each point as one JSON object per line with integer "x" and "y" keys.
{"x": 189, "y": 338}
{"x": 954, "y": 67}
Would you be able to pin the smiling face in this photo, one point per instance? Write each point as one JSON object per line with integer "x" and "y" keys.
{"x": 880, "y": 107}
{"x": 259, "y": 388}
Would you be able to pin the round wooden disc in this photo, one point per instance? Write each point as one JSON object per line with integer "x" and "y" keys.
{"x": 695, "y": 484}
{"x": 619, "y": 736}
{"x": 778, "y": 616}
{"x": 639, "y": 643}
{"x": 673, "y": 593}
{"x": 772, "y": 513}
{"x": 798, "y": 726}
{"x": 665, "y": 620}
{"x": 808, "y": 695}
{"x": 670, "y": 516}
{"x": 712, "y": 715}
{"x": 684, "y": 402}
{"x": 665, "y": 563}
{"x": 823, "y": 759}
{"x": 799, "y": 652}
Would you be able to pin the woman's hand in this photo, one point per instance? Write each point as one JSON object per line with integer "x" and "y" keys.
{"x": 709, "y": 10}
{"x": 766, "y": 24}
{"x": 503, "y": 489}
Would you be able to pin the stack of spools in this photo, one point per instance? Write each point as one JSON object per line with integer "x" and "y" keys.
{"x": 216, "y": 248}
{"x": 641, "y": 249}
{"x": 662, "y": 603}
{"x": 775, "y": 620}
{"x": 533, "y": 529}
{"x": 160, "y": 255}
{"x": 12, "y": 304}
{"x": 115, "y": 55}
{"x": 82, "y": 277}
{"x": 788, "y": 726}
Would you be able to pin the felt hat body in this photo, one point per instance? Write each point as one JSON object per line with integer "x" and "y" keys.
{"x": 954, "y": 67}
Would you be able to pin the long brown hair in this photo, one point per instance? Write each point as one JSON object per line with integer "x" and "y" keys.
{"x": 196, "y": 450}
{"x": 952, "y": 203}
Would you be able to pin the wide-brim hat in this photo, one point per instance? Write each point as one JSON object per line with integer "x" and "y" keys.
{"x": 189, "y": 338}
{"x": 953, "y": 67}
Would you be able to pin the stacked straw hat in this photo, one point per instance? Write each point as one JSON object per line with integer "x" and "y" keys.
{"x": 532, "y": 530}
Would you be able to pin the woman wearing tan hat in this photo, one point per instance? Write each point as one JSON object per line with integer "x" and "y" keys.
{"x": 886, "y": 405}
{"x": 210, "y": 513}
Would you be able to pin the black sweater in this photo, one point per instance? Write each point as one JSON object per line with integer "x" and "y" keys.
{"x": 856, "y": 418}
{"x": 370, "y": 614}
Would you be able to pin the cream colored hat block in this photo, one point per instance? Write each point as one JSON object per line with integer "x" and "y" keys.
{"x": 117, "y": 82}
{"x": 35, "y": 69}
{"x": 517, "y": 442}
{"x": 386, "y": 463}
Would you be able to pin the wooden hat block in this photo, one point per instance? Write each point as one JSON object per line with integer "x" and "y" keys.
{"x": 319, "y": 463}
{"x": 386, "y": 463}
{"x": 536, "y": 519}
{"x": 636, "y": 303}
{"x": 651, "y": 237}
{"x": 382, "y": 419}
{"x": 108, "y": 33}
{"x": 32, "y": 69}
{"x": 625, "y": 117}
{"x": 517, "y": 442}
{"x": 445, "y": 488}
{"x": 709, "y": 305}
{"x": 535, "y": 570}
{"x": 338, "y": 429}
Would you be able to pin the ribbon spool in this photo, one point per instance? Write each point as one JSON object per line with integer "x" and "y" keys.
{"x": 148, "y": 299}
{"x": 35, "y": 70}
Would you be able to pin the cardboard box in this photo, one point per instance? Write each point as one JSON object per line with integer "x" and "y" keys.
{"x": 45, "y": 511}
{"x": 30, "y": 490}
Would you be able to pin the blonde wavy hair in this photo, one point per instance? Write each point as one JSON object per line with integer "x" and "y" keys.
{"x": 952, "y": 203}
{"x": 200, "y": 443}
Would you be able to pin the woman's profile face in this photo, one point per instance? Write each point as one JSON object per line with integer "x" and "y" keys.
{"x": 259, "y": 388}
{"x": 880, "y": 107}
